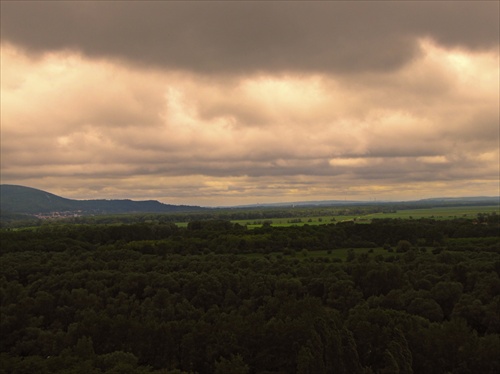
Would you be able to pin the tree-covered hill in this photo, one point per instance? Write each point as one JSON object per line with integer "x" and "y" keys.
{"x": 27, "y": 200}
{"x": 20, "y": 199}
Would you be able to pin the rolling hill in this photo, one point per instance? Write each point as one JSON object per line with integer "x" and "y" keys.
{"x": 17, "y": 202}
{"x": 31, "y": 201}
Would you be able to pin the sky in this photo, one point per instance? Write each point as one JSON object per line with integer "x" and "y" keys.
{"x": 229, "y": 103}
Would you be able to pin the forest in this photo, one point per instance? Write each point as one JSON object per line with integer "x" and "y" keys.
{"x": 408, "y": 296}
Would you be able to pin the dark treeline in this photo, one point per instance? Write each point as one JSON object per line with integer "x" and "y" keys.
{"x": 217, "y": 298}
{"x": 221, "y": 236}
{"x": 9, "y": 220}
{"x": 228, "y": 214}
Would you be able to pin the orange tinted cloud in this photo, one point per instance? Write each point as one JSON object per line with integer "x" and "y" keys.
{"x": 96, "y": 125}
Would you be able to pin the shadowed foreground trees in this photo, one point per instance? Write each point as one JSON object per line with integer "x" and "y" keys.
{"x": 160, "y": 299}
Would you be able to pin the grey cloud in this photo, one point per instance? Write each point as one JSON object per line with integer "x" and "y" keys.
{"x": 481, "y": 129}
{"x": 248, "y": 37}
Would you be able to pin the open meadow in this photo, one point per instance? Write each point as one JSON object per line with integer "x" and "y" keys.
{"x": 310, "y": 217}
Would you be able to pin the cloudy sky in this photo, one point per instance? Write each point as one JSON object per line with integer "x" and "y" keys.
{"x": 225, "y": 103}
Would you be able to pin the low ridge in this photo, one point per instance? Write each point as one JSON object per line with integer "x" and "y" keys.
{"x": 32, "y": 201}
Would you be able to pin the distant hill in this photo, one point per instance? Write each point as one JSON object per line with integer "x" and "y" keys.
{"x": 463, "y": 200}
{"x": 424, "y": 203}
{"x": 21, "y": 200}
{"x": 31, "y": 201}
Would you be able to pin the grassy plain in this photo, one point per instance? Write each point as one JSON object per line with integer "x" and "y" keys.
{"x": 439, "y": 213}
{"x": 469, "y": 212}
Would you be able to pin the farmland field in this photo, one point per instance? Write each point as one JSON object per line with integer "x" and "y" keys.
{"x": 469, "y": 212}
{"x": 439, "y": 213}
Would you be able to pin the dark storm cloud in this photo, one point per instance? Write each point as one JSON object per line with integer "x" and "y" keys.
{"x": 243, "y": 102}
{"x": 247, "y": 37}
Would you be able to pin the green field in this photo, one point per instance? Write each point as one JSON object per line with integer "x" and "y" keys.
{"x": 439, "y": 213}
{"x": 284, "y": 222}
{"x": 469, "y": 212}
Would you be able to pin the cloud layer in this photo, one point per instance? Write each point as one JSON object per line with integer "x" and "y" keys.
{"x": 243, "y": 37}
{"x": 229, "y": 103}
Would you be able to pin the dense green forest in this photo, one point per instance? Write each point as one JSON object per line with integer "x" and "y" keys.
{"x": 409, "y": 296}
